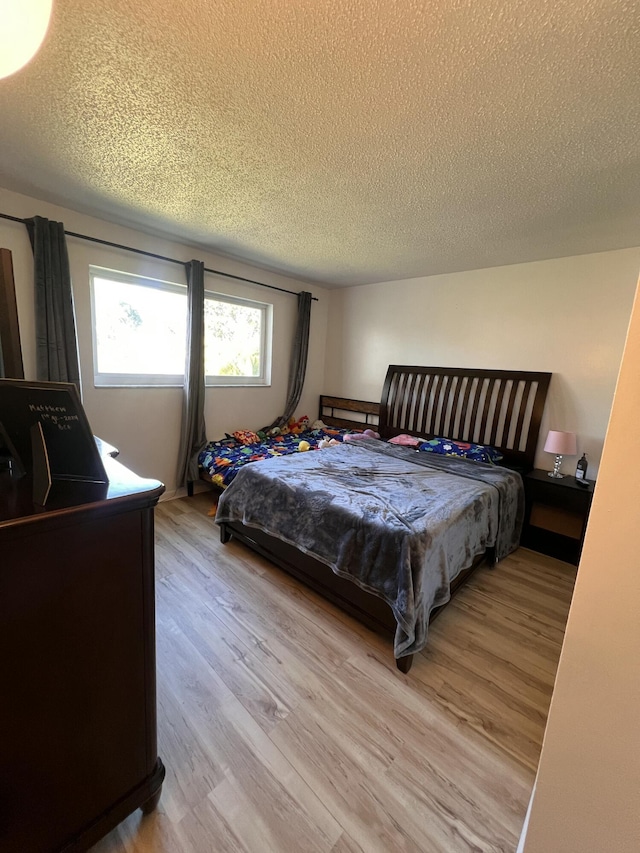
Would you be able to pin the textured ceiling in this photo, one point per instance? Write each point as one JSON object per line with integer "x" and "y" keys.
{"x": 341, "y": 142}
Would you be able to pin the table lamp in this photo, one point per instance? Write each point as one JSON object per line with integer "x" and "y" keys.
{"x": 562, "y": 444}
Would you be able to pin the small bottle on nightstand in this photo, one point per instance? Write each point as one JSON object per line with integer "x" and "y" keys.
{"x": 581, "y": 468}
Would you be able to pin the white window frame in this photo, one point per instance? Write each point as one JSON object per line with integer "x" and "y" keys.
{"x": 135, "y": 380}
{"x": 264, "y": 378}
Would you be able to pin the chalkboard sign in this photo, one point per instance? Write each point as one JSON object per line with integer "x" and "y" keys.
{"x": 54, "y": 408}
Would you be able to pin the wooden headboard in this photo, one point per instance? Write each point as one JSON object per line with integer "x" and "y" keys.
{"x": 502, "y": 408}
{"x": 345, "y": 413}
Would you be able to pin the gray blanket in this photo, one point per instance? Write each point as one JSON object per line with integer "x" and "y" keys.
{"x": 400, "y": 524}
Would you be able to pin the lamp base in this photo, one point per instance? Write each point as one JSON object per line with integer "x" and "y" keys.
{"x": 556, "y": 468}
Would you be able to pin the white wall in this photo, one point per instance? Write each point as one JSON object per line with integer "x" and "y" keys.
{"x": 568, "y": 316}
{"x": 587, "y": 792}
{"x": 145, "y": 423}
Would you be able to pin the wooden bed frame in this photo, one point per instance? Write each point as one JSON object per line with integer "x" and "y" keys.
{"x": 498, "y": 407}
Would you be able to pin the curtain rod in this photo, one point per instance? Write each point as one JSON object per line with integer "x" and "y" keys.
{"x": 160, "y": 257}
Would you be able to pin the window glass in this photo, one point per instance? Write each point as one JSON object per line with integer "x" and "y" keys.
{"x": 139, "y": 330}
{"x": 139, "y": 333}
{"x": 236, "y": 340}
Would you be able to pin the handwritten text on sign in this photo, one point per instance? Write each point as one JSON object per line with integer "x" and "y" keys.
{"x": 56, "y": 415}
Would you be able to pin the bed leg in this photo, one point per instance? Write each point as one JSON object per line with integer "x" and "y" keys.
{"x": 190, "y": 488}
{"x": 404, "y": 664}
{"x": 492, "y": 560}
{"x": 225, "y": 534}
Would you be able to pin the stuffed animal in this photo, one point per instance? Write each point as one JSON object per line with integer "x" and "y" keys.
{"x": 328, "y": 442}
{"x": 298, "y": 426}
{"x": 304, "y": 445}
{"x": 318, "y": 425}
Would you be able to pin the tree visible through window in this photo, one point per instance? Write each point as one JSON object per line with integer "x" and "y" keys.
{"x": 233, "y": 338}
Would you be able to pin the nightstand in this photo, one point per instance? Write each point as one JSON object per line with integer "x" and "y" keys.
{"x": 556, "y": 515}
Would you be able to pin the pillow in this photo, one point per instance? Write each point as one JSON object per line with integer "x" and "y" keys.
{"x": 405, "y": 440}
{"x": 245, "y": 436}
{"x": 357, "y": 436}
{"x": 475, "y": 452}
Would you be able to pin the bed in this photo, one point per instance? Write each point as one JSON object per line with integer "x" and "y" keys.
{"x": 221, "y": 460}
{"x": 389, "y": 533}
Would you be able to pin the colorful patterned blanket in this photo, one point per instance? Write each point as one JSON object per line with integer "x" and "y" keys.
{"x": 223, "y": 459}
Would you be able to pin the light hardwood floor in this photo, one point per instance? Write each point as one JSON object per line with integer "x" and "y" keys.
{"x": 285, "y": 726}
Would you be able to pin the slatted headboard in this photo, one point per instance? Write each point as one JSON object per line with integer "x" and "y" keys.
{"x": 502, "y": 408}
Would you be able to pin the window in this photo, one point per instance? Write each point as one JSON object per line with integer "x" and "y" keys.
{"x": 139, "y": 333}
{"x": 140, "y": 329}
{"x": 237, "y": 348}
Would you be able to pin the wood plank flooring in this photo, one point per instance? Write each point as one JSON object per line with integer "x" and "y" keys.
{"x": 285, "y": 726}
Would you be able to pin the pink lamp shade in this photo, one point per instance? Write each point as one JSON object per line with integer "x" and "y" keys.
{"x": 561, "y": 443}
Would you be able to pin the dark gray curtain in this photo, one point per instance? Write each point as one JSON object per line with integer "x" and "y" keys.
{"x": 193, "y": 435}
{"x": 56, "y": 342}
{"x": 298, "y": 360}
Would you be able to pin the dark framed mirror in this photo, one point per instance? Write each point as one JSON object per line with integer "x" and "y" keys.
{"x": 10, "y": 350}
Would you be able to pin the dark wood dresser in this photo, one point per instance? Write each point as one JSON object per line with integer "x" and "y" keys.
{"x": 78, "y": 749}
